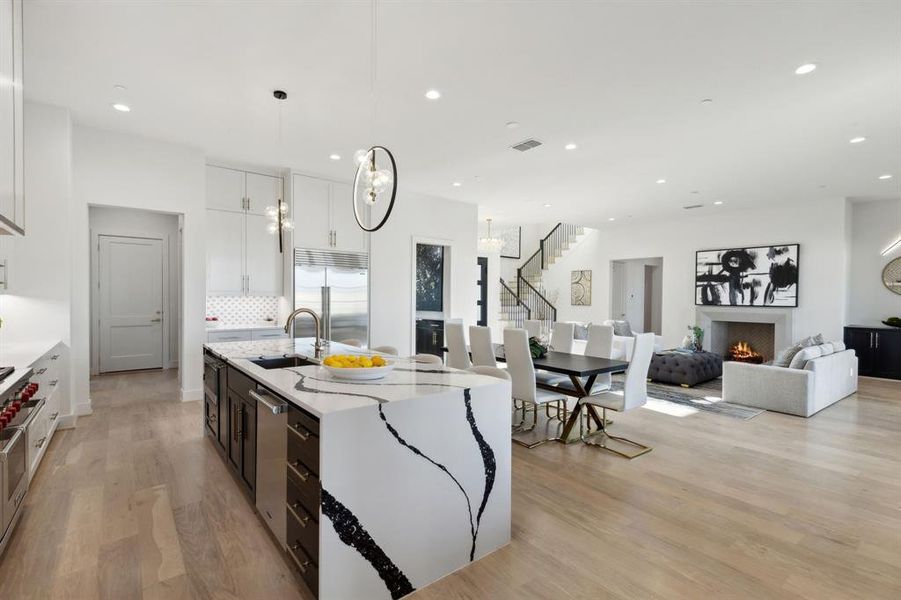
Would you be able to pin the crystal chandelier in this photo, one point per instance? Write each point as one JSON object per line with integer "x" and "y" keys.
{"x": 489, "y": 244}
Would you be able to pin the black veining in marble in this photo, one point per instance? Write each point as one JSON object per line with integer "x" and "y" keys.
{"x": 488, "y": 460}
{"x": 300, "y": 386}
{"x": 351, "y": 532}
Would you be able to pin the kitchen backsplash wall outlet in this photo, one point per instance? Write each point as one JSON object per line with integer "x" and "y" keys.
{"x": 242, "y": 309}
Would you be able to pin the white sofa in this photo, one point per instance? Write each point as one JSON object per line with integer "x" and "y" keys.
{"x": 802, "y": 390}
{"x": 622, "y": 345}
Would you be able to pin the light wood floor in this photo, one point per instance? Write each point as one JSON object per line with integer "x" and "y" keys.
{"x": 135, "y": 503}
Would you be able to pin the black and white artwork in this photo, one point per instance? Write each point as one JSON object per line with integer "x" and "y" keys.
{"x": 512, "y": 237}
{"x": 758, "y": 276}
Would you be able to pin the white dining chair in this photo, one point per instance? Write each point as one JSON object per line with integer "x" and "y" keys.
{"x": 457, "y": 355}
{"x": 352, "y": 342}
{"x": 522, "y": 372}
{"x": 599, "y": 345}
{"x": 633, "y": 395}
{"x": 386, "y": 350}
{"x": 480, "y": 346}
{"x": 427, "y": 359}
{"x": 491, "y": 372}
{"x": 562, "y": 336}
{"x": 533, "y": 327}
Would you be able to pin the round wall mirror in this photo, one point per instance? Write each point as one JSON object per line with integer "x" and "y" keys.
{"x": 891, "y": 276}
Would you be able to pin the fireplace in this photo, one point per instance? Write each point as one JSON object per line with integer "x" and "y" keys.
{"x": 765, "y": 331}
{"x": 744, "y": 352}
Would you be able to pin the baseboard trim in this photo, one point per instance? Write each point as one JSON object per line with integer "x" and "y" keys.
{"x": 83, "y": 409}
{"x": 189, "y": 395}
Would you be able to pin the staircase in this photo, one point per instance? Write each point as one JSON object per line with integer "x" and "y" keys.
{"x": 525, "y": 296}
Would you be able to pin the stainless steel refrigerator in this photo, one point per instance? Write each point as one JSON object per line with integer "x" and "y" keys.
{"x": 336, "y": 286}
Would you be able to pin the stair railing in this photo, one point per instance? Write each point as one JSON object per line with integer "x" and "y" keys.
{"x": 512, "y": 306}
{"x": 549, "y": 248}
{"x": 540, "y": 308}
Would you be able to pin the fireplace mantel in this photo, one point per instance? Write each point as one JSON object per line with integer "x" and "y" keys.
{"x": 780, "y": 318}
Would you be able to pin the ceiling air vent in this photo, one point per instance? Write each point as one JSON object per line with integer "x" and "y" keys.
{"x": 526, "y": 145}
{"x": 691, "y": 206}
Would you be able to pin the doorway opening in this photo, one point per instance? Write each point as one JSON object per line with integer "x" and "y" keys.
{"x": 431, "y": 294}
{"x": 636, "y": 293}
{"x": 135, "y": 289}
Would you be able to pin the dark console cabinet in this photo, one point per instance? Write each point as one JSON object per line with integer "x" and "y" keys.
{"x": 878, "y": 350}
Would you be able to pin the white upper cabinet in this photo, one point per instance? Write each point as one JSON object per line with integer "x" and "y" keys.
{"x": 225, "y": 253}
{"x": 225, "y": 189}
{"x": 262, "y": 191}
{"x": 323, "y": 216}
{"x": 263, "y": 261}
{"x": 310, "y": 212}
{"x": 346, "y": 235}
{"x": 12, "y": 165}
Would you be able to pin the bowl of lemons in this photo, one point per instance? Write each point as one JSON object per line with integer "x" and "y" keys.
{"x": 359, "y": 367}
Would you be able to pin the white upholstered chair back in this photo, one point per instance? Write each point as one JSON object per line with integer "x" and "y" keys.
{"x": 390, "y": 350}
{"x": 519, "y": 364}
{"x": 457, "y": 356}
{"x": 491, "y": 372}
{"x": 533, "y": 327}
{"x": 480, "y": 345}
{"x": 635, "y": 387}
{"x": 427, "y": 359}
{"x": 600, "y": 345}
{"x": 562, "y": 337}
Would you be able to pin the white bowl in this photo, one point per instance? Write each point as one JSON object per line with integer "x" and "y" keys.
{"x": 360, "y": 373}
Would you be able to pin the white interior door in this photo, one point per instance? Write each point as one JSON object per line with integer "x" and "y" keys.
{"x": 617, "y": 290}
{"x": 131, "y": 303}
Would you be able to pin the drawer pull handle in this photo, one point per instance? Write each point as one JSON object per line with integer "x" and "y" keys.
{"x": 302, "y": 521}
{"x": 53, "y": 416}
{"x": 54, "y": 382}
{"x": 40, "y": 442}
{"x": 296, "y": 429}
{"x": 300, "y": 565}
{"x": 54, "y": 357}
{"x": 303, "y": 476}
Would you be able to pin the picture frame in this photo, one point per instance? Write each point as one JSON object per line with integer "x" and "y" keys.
{"x": 763, "y": 276}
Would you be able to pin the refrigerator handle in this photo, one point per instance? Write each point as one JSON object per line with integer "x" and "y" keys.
{"x": 326, "y": 313}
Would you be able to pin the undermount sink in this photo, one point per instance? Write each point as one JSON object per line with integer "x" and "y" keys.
{"x": 281, "y": 362}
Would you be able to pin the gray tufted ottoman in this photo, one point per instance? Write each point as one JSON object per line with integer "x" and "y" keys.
{"x": 685, "y": 369}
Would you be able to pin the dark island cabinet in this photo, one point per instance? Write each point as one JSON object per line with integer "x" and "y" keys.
{"x": 878, "y": 350}
{"x": 242, "y": 429}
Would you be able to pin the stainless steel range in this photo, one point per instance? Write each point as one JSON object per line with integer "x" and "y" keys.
{"x": 17, "y": 408}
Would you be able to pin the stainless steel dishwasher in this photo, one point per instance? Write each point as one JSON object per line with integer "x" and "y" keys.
{"x": 272, "y": 452}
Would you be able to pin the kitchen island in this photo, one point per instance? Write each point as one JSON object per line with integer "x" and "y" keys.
{"x": 389, "y": 484}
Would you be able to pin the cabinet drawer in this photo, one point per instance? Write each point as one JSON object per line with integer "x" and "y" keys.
{"x": 303, "y": 446}
{"x": 268, "y": 334}
{"x": 228, "y": 336}
{"x": 308, "y": 570}
{"x": 307, "y": 421}
{"x": 302, "y": 528}
{"x": 303, "y": 488}
{"x": 240, "y": 383}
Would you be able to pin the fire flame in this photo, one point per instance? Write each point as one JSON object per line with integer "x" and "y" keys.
{"x": 743, "y": 350}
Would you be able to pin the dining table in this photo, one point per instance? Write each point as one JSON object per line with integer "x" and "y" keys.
{"x": 582, "y": 371}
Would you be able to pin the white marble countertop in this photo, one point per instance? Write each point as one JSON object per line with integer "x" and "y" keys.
{"x": 227, "y": 326}
{"x": 315, "y": 390}
{"x": 21, "y": 356}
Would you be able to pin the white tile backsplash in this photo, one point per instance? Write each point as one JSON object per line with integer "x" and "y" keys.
{"x": 242, "y": 309}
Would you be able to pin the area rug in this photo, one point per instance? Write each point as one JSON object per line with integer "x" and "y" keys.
{"x": 704, "y": 397}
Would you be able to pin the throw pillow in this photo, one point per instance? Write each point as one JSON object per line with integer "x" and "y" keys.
{"x": 826, "y": 349}
{"x": 818, "y": 339}
{"x": 580, "y": 331}
{"x": 622, "y": 328}
{"x": 806, "y": 354}
{"x": 785, "y": 357}
{"x": 838, "y": 346}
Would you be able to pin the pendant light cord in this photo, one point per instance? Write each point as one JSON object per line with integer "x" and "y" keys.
{"x": 373, "y": 67}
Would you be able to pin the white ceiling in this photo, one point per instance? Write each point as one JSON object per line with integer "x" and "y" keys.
{"x": 622, "y": 80}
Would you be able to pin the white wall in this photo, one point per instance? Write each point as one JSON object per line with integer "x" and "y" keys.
{"x": 131, "y": 222}
{"x": 37, "y": 304}
{"x": 818, "y": 226}
{"x": 874, "y": 226}
{"x": 114, "y": 169}
{"x": 391, "y": 265}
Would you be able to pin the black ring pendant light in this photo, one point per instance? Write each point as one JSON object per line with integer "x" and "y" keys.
{"x": 369, "y": 163}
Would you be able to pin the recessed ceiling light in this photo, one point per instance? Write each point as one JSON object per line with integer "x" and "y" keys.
{"x": 661, "y": 181}
{"x": 695, "y": 192}
{"x": 456, "y": 184}
{"x": 547, "y": 205}
{"x": 857, "y": 140}
{"x": 335, "y": 156}
{"x": 512, "y": 125}
{"x": 612, "y": 219}
{"x": 119, "y": 88}
{"x": 886, "y": 176}
{"x": 122, "y": 107}
{"x": 805, "y": 69}
{"x": 707, "y": 101}
{"x": 570, "y": 146}
{"x": 433, "y": 94}
{"x": 718, "y": 202}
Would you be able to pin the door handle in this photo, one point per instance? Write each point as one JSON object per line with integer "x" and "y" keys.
{"x": 871, "y": 339}
{"x": 877, "y": 341}
{"x": 155, "y": 320}
{"x": 272, "y": 404}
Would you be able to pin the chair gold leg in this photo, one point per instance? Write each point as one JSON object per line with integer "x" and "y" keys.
{"x": 532, "y": 428}
{"x": 601, "y": 433}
